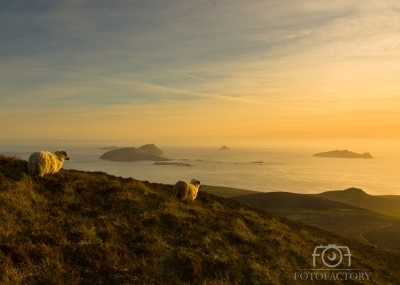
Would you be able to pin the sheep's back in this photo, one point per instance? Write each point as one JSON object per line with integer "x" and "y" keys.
{"x": 185, "y": 190}
{"x": 181, "y": 189}
{"x": 48, "y": 162}
{"x": 33, "y": 162}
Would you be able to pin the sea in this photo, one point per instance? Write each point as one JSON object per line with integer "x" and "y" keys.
{"x": 260, "y": 169}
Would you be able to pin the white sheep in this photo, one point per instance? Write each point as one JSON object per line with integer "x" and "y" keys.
{"x": 44, "y": 162}
{"x": 184, "y": 190}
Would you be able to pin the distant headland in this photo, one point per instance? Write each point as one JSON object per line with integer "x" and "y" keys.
{"x": 224, "y": 147}
{"x": 145, "y": 152}
{"x": 343, "y": 154}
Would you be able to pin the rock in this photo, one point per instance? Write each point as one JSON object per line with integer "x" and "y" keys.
{"x": 145, "y": 152}
{"x": 343, "y": 154}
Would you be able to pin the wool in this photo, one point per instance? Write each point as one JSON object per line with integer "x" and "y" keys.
{"x": 187, "y": 191}
{"x": 44, "y": 162}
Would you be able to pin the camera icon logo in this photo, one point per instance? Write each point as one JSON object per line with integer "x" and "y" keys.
{"x": 331, "y": 255}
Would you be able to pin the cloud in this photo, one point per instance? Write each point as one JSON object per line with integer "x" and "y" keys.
{"x": 183, "y": 74}
{"x": 266, "y": 60}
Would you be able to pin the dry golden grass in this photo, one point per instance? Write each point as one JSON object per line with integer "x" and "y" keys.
{"x": 77, "y": 227}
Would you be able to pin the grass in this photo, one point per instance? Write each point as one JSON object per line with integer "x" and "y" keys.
{"x": 390, "y": 232}
{"x": 389, "y": 213}
{"x": 349, "y": 221}
{"x": 226, "y": 191}
{"x": 388, "y": 204}
{"x": 78, "y": 227}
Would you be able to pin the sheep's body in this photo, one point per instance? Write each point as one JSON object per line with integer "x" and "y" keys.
{"x": 44, "y": 162}
{"x": 187, "y": 191}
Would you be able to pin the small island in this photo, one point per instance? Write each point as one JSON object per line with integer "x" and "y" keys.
{"x": 224, "y": 147}
{"x": 343, "y": 154}
{"x": 171, "y": 163}
{"x": 145, "y": 152}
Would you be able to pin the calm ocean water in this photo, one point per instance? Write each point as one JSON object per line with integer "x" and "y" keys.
{"x": 280, "y": 170}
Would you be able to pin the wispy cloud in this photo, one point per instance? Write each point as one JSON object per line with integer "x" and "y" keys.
{"x": 184, "y": 74}
{"x": 268, "y": 60}
{"x": 174, "y": 94}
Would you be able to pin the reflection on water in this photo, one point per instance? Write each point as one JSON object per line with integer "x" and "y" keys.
{"x": 275, "y": 170}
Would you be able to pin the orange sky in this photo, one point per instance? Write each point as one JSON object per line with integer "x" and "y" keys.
{"x": 201, "y": 73}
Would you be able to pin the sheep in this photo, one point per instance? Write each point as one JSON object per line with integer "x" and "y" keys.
{"x": 44, "y": 162}
{"x": 184, "y": 190}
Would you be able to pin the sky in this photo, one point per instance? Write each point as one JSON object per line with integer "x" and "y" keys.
{"x": 199, "y": 72}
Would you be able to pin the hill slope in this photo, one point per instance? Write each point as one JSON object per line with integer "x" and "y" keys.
{"x": 78, "y": 227}
{"x": 358, "y": 198}
{"x": 226, "y": 191}
{"x": 287, "y": 201}
{"x": 348, "y": 220}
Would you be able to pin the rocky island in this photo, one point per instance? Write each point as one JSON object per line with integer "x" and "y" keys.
{"x": 224, "y": 147}
{"x": 343, "y": 154}
{"x": 171, "y": 163}
{"x": 145, "y": 152}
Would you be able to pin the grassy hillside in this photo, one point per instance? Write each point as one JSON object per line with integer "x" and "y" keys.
{"x": 349, "y": 221}
{"x": 226, "y": 191}
{"x": 387, "y": 205}
{"x": 387, "y": 235}
{"x": 287, "y": 202}
{"x": 78, "y": 227}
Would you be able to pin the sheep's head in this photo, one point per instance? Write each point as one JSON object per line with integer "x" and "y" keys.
{"x": 196, "y": 183}
{"x": 62, "y": 154}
